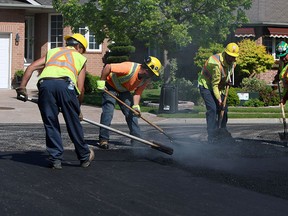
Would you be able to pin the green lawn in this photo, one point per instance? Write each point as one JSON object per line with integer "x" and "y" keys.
{"x": 153, "y": 95}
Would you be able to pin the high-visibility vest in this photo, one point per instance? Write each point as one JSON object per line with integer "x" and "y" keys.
{"x": 284, "y": 73}
{"x": 63, "y": 62}
{"x": 118, "y": 81}
{"x": 284, "y": 77}
{"x": 206, "y": 74}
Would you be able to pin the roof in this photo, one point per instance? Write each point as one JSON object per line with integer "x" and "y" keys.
{"x": 13, "y": 2}
{"x": 26, "y": 2}
{"x": 268, "y": 12}
{"x": 44, "y": 2}
{"x": 31, "y": 6}
{"x": 31, "y": 2}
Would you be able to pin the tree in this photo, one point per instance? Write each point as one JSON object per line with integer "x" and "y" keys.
{"x": 168, "y": 23}
{"x": 118, "y": 52}
{"x": 204, "y": 53}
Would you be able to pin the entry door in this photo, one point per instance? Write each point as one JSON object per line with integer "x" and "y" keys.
{"x": 4, "y": 61}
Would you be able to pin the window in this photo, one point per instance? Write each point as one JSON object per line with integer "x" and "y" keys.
{"x": 56, "y": 31}
{"x": 90, "y": 37}
{"x": 29, "y": 39}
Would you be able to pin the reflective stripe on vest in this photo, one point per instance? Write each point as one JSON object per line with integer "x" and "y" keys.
{"x": 118, "y": 81}
{"x": 207, "y": 73}
{"x": 284, "y": 74}
{"x": 67, "y": 63}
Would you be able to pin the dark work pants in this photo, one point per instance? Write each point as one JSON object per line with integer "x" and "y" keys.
{"x": 108, "y": 106}
{"x": 213, "y": 110}
{"x": 54, "y": 96}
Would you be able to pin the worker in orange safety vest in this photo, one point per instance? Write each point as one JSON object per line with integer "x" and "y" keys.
{"x": 120, "y": 79}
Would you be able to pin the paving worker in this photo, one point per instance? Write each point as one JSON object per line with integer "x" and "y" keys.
{"x": 120, "y": 79}
{"x": 213, "y": 79}
{"x": 61, "y": 87}
{"x": 282, "y": 54}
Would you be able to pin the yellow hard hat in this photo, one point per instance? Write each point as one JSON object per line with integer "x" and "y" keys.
{"x": 79, "y": 37}
{"x": 232, "y": 49}
{"x": 153, "y": 64}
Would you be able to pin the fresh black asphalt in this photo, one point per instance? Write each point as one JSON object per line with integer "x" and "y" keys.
{"x": 245, "y": 177}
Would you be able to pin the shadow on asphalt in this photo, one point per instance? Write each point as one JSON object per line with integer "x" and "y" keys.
{"x": 36, "y": 158}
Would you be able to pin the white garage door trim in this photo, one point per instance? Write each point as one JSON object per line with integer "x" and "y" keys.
{"x": 5, "y": 60}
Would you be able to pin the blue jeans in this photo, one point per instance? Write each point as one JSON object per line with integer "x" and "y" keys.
{"x": 213, "y": 110}
{"x": 108, "y": 106}
{"x": 53, "y": 96}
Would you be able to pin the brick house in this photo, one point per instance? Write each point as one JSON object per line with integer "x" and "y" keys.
{"x": 268, "y": 25}
{"x": 28, "y": 29}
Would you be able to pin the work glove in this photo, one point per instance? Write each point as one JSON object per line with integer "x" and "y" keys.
{"x": 22, "y": 94}
{"x": 80, "y": 116}
{"x": 137, "y": 109}
{"x": 100, "y": 85}
{"x": 229, "y": 83}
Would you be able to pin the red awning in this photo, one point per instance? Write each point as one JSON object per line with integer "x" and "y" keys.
{"x": 245, "y": 32}
{"x": 278, "y": 32}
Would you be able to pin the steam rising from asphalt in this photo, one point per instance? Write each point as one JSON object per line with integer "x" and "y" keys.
{"x": 191, "y": 152}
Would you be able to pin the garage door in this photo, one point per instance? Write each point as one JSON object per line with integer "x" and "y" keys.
{"x": 4, "y": 61}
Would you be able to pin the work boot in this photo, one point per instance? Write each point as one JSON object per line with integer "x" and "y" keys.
{"x": 87, "y": 163}
{"x": 56, "y": 165}
{"x": 103, "y": 144}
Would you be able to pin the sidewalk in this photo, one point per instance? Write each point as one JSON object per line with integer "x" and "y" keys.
{"x": 15, "y": 111}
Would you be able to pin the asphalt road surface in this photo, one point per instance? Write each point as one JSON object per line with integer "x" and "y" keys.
{"x": 245, "y": 177}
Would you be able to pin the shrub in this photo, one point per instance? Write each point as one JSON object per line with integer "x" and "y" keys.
{"x": 204, "y": 53}
{"x": 118, "y": 52}
{"x": 91, "y": 83}
{"x": 267, "y": 95}
{"x": 253, "y": 58}
{"x": 18, "y": 76}
{"x": 253, "y": 85}
{"x": 253, "y": 103}
{"x": 188, "y": 91}
{"x": 233, "y": 99}
{"x": 19, "y": 73}
{"x": 154, "y": 85}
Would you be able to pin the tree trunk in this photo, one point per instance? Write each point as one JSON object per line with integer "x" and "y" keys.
{"x": 166, "y": 64}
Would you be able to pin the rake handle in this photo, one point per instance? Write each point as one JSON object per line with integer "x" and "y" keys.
{"x": 223, "y": 106}
{"x": 136, "y": 113}
{"x": 152, "y": 144}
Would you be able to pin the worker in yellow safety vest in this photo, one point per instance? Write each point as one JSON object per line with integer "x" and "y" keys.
{"x": 61, "y": 88}
{"x": 213, "y": 79}
{"x": 120, "y": 79}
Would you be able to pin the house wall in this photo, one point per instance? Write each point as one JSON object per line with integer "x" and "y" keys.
{"x": 40, "y": 35}
{"x": 94, "y": 59}
{"x": 12, "y": 21}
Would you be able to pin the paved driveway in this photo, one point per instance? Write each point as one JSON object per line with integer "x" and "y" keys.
{"x": 248, "y": 177}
